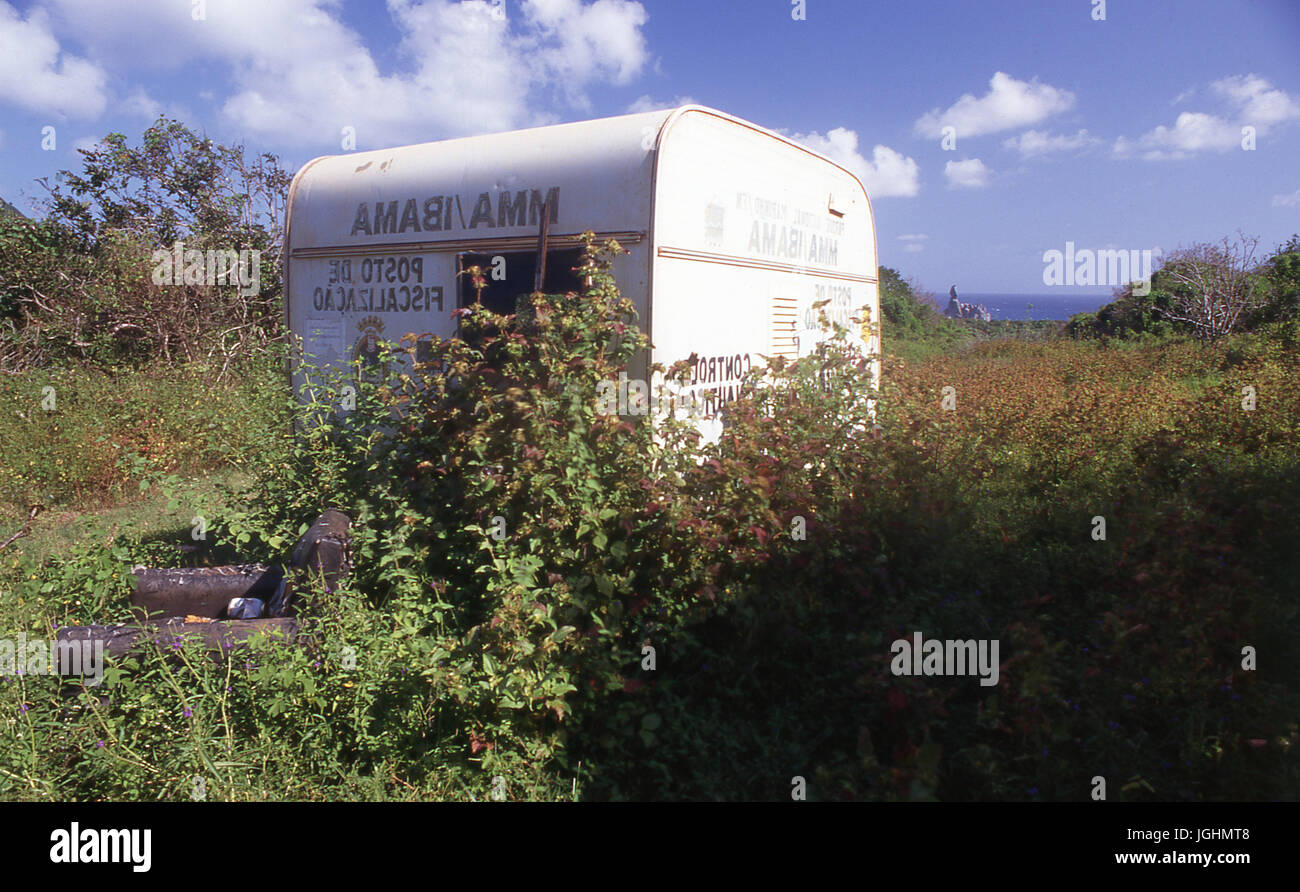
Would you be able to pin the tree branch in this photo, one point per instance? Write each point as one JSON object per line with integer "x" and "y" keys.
{"x": 24, "y": 531}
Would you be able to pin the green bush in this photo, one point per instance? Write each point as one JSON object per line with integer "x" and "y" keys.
{"x": 1129, "y": 315}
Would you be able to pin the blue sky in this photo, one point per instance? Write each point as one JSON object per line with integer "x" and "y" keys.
{"x": 1162, "y": 124}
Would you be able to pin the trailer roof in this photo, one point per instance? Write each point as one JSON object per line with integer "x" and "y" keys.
{"x": 598, "y": 172}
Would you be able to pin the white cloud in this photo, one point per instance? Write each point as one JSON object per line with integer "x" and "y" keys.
{"x": 913, "y": 247}
{"x": 1192, "y": 132}
{"x": 1260, "y": 103}
{"x": 37, "y": 75}
{"x": 1253, "y": 101}
{"x": 891, "y": 173}
{"x": 1036, "y": 143}
{"x": 968, "y": 174}
{"x": 645, "y": 104}
{"x": 299, "y": 74}
{"x": 1008, "y": 104}
{"x": 115, "y": 38}
{"x": 579, "y": 43}
{"x": 1287, "y": 201}
{"x": 917, "y": 237}
{"x": 887, "y": 174}
{"x": 140, "y": 104}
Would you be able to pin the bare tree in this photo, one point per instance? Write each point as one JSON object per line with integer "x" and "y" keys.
{"x": 1213, "y": 284}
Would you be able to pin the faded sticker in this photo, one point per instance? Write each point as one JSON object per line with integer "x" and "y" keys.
{"x": 324, "y": 337}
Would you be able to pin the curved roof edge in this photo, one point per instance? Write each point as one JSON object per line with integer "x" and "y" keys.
{"x": 668, "y": 116}
{"x": 675, "y": 114}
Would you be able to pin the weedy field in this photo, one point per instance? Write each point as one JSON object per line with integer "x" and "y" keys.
{"x": 657, "y": 624}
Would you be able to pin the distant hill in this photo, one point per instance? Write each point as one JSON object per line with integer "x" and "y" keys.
{"x": 7, "y": 209}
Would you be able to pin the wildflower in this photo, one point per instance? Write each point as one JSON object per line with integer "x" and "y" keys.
{"x": 187, "y": 713}
{"x": 99, "y": 743}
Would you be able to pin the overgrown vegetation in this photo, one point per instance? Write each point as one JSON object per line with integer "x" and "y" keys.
{"x": 85, "y": 437}
{"x": 517, "y": 553}
{"x": 97, "y": 281}
{"x": 1206, "y": 291}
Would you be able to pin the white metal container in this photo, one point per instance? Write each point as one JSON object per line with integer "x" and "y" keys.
{"x": 733, "y": 232}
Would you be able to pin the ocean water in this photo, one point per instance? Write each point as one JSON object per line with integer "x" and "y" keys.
{"x": 1014, "y": 306}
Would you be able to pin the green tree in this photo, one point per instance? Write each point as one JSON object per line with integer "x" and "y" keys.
{"x": 81, "y": 282}
{"x": 1281, "y": 283}
{"x": 176, "y": 184}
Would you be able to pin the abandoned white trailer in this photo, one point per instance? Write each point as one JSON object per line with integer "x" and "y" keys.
{"x": 733, "y": 233}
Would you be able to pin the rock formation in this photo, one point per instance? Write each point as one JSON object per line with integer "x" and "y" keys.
{"x": 958, "y": 310}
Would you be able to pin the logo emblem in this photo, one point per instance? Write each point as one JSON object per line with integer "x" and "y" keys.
{"x": 366, "y": 349}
